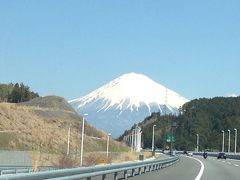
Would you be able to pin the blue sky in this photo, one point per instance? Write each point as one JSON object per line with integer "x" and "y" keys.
{"x": 69, "y": 48}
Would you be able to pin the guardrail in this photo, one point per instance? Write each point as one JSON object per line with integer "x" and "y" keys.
{"x": 22, "y": 169}
{"x": 215, "y": 154}
{"x": 135, "y": 168}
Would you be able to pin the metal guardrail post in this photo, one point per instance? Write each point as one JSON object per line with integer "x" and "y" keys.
{"x": 125, "y": 174}
{"x": 139, "y": 171}
{"x": 144, "y": 170}
{"x": 115, "y": 176}
{"x": 133, "y": 172}
{"x": 104, "y": 177}
{"x": 161, "y": 166}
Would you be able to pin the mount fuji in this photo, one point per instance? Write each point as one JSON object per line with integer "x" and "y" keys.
{"x": 128, "y": 99}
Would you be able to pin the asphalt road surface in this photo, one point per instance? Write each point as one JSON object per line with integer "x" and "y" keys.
{"x": 196, "y": 168}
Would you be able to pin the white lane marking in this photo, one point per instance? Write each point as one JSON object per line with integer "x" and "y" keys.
{"x": 236, "y": 165}
{"x": 229, "y": 163}
{"x": 201, "y": 170}
{"x": 234, "y": 160}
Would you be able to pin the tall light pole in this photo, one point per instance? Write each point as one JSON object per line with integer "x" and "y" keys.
{"x": 132, "y": 136}
{"x": 135, "y": 139}
{"x": 68, "y": 140}
{"x": 153, "y": 138}
{"x": 108, "y": 144}
{"x": 174, "y": 124}
{"x": 229, "y": 140}
{"x": 197, "y": 141}
{"x": 235, "y": 147}
{"x": 81, "y": 153}
{"x": 222, "y": 140}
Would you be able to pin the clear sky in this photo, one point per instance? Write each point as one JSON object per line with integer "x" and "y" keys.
{"x": 69, "y": 48}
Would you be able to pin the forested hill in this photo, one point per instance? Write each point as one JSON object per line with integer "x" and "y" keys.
{"x": 206, "y": 117}
{"x": 15, "y": 93}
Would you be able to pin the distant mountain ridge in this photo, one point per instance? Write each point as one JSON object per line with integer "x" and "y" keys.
{"x": 126, "y": 100}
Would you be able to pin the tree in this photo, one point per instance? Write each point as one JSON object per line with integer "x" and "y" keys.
{"x": 16, "y": 93}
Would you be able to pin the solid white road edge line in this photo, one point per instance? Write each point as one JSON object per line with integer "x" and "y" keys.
{"x": 201, "y": 170}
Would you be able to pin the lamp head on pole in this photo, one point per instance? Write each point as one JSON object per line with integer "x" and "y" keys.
{"x": 229, "y": 130}
{"x": 222, "y": 131}
{"x": 235, "y": 129}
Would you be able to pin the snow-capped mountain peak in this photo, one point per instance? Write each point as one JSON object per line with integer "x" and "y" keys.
{"x": 132, "y": 93}
{"x": 135, "y": 89}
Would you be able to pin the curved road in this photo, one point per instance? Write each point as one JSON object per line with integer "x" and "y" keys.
{"x": 189, "y": 168}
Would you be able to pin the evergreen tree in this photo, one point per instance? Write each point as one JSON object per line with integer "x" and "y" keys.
{"x": 205, "y": 117}
{"x": 16, "y": 93}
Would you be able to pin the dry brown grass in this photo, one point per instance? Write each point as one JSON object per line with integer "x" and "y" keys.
{"x": 34, "y": 132}
{"x": 89, "y": 159}
{"x": 47, "y": 135}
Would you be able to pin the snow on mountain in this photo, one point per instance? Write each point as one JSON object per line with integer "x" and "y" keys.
{"x": 126, "y": 100}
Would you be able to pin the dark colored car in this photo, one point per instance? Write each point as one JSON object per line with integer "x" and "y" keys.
{"x": 221, "y": 155}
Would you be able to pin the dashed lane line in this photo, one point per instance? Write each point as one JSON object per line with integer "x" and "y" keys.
{"x": 230, "y": 163}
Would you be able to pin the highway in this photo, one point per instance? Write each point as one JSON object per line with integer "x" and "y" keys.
{"x": 190, "y": 168}
{"x": 187, "y": 168}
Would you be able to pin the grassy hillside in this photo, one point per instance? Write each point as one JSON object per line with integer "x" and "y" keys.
{"x": 42, "y": 125}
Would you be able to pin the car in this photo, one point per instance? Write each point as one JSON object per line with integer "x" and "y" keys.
{"x": 187, "y": 153}
{"x": 221, "y": 155}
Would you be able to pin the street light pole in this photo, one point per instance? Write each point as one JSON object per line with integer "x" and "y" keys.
{"x": 229, "y": 140}
{"x": 222, "y": 141}
{"x": 153, "y": 138}
{"x": 235, "y": 147}
{"x": 68, "y": 140}
{"x": 108, "y": 144}
{"x": 172, "y": 127}
{"x": 135, "y": 139}
{"x": 197, "y": 141}
{"x": 81, "y": 153}
{"x": 132, "y": 140}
